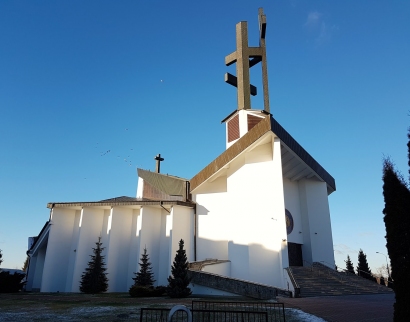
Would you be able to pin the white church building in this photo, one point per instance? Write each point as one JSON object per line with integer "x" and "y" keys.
{"x": 256, "y": 209}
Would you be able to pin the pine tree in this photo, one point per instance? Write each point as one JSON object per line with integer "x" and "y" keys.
{"x": 363, "y": 268}
{"x": 382, "y": 281}
{"x": 144, "y": 277}
{"x": 25, "y": 265}
{"x": 94, "y": 279}
{"x": 178, "y": 282}
{"x": 1, "y": 256}
{"x": 397, "y": 221}
{"x": 349, "y": 265}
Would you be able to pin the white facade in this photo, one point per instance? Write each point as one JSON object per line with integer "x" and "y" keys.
{"x": 58, "y": 262}
{"x": 259, "y": 199}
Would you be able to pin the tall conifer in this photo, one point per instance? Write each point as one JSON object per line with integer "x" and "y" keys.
{"x": 94, "y": 279}
{"x": 363, "y": 268}
{"x": 178, "y": 282}
{"x": 144, "y": 277}
{"x": 349, "y": 265}
{"x": 397, "y": 221}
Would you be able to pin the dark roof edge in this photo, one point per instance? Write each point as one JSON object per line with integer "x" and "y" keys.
{"x": 287, "y": 139}
{"x": 262, "y": 111}
{"x": 38, "y": 236}
{"x": 142, "y": 171}
{"x": 124, "y": 203}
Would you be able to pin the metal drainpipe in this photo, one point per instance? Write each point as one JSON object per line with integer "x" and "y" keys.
{"x": 195, "y": 228}
{"x": 187, "y": 197}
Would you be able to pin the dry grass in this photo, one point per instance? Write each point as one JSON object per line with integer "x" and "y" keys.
{"x": 85, "y": 307}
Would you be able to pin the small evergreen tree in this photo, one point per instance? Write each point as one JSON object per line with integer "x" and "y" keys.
{"x": 178, "y": 282}
{"x": 1, "y": 256}
{"x": 94, "y": 279}
{"x": 349, "y": 265}
{"x": 144, "y": 277}
{"x": 25, "y": 265}
{"x": 363, "y": 268}
{"x": 382, "y": 281}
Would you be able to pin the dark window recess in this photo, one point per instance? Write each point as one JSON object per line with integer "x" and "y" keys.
{"x": 233, "y": 129}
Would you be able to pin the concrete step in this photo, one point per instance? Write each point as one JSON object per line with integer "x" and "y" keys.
{"x": 320, "y": 280}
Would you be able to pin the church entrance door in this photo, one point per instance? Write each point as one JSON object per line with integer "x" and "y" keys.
{"x": 295, "y": 254}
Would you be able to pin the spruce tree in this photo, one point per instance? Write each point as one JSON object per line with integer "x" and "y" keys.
{"x": 363, "y": 268}
{"x": 397, "y": 221}
{"x": 94, "y": 279}
{"x": 144, "y": 277}
{"x": 349, "y": 265}
{"x": 178, "y": 282}
{"x": 382, "y": 281}
{"x": 25, "y": 265}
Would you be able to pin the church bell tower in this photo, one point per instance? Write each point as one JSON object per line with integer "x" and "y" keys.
{"x": 239, "y": 122}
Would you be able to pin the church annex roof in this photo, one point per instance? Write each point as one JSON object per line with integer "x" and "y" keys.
{"x": 170, "y": 185}
{"x": 263, "y": 127}
{"x": 120, "y": 201}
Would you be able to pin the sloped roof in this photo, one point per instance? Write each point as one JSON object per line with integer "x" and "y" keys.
{"x": 268, "y": 124}
{"x": 119, "y": 201}
{"x": 171, "y": 185}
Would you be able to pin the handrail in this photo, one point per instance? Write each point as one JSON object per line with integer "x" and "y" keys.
{"x": 296, "y": 286}
{"x": 309, "y": 264}
{"x": 292, "y": 278}
{"x": 332, "y": 266}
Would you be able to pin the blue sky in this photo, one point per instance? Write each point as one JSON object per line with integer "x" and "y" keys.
{"x": 138, "y": 78}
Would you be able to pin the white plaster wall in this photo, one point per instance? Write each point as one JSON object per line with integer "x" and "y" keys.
{"x": 150, "y": 236}
{"x": 134, "y": 252}
{"x": 72, "y": 253}
{"x": 36, "y": 263}
{"x": 183, "y": 228}
{"x": 58, "y": 250}
{"x": 317, "y": 230}
{"x": 118, "y": 249}
{"x": 31, "y": 272}
{"x": 90, "y": 224}
{"x": 292, "y": 203}
{"x": 242, "y": 220}
{"x": 223, "y": 269}
{"x": 212, "y": 210}
{"x": 38, "y": 267}
{"x": 165, "y": 247}
{"x": 140, "y": 187}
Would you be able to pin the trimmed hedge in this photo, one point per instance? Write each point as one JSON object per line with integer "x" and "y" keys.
{"x": 11, "y": 283}
{"x": 141, "y": 291}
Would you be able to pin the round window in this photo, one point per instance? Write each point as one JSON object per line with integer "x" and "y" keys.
{"x": 289, "y": 221}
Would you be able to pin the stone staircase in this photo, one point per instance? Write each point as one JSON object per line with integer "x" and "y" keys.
{"x": 320, "y": 280}
{"x": 237, "y": 286}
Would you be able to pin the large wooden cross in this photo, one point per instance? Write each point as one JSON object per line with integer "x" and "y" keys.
{"x": 158, "y": 163}
{"x": 246, "y": 57}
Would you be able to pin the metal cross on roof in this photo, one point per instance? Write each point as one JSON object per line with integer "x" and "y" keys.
{"x": 158, "y": 163}
{"x": 246, "y": 57}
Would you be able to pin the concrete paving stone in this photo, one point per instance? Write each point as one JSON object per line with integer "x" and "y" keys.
{"x": 346, "y": 308}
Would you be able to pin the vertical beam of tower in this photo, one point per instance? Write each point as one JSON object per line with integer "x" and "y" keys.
{"x": 262, "y": 44}
{"x": 246, "y": 57}
{"x": 242, "y": 66}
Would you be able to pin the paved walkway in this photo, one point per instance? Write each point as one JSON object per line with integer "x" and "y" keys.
{"x": 346, "y": 308}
